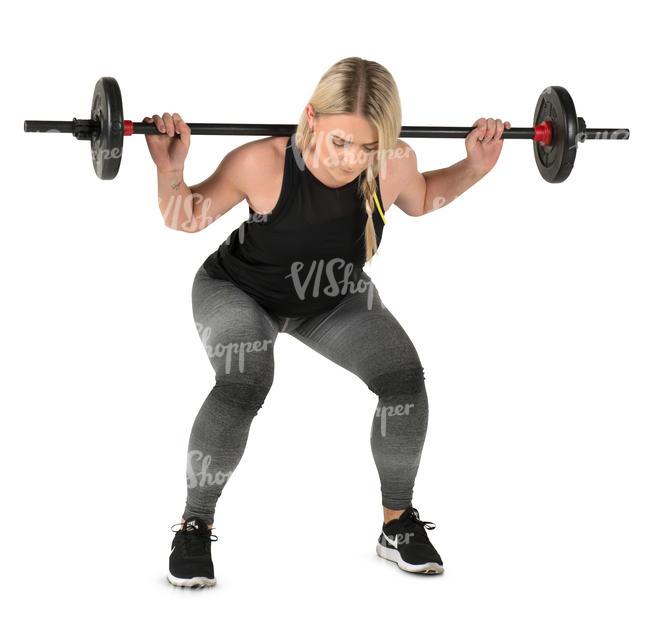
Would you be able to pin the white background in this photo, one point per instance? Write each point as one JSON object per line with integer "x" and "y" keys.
{"x": 527, "y": 302}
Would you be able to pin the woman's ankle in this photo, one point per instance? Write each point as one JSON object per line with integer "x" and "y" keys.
{"x": 389, "y": 514}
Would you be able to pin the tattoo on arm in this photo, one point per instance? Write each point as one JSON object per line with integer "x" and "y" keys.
{"x": 175, "y": 186}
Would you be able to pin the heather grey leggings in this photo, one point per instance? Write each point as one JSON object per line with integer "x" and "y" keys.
{"x": 359, "y": 334}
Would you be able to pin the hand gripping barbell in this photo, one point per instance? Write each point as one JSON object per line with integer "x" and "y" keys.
{"x": 555, "y": 134}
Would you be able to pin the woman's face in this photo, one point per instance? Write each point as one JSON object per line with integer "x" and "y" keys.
{"x": 345, "y": 144}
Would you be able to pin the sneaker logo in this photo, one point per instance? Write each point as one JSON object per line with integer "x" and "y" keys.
{"x": 173, "y": 548}
{"x": 393, "y": 542}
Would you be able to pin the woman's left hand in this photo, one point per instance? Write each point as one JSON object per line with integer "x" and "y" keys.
{"x": 484, "y": 144}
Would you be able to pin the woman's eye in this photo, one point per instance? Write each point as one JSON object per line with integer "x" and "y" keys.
{"x": 367, "y": 150}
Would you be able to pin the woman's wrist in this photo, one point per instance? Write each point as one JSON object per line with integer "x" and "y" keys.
{"x": 176, "y": 172}
{"x": 474, "y": 172}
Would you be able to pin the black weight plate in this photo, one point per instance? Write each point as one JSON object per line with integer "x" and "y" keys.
{"x": 555, "y": 161}
{"x": 106, "y": 143}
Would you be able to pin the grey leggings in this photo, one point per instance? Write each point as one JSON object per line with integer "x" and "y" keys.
{"x": 359, "y": 334}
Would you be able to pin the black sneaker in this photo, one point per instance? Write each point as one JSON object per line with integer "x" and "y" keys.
{"x": 405, "y": 542}
{"x": 190, "y": 561}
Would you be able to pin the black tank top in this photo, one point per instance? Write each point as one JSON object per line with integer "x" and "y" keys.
{"x": 301, "y": 258}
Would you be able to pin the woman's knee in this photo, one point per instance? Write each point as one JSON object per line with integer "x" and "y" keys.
{"x": 403, "y": 406}
{"x": 242, "y": 396}
{"x": 399, "y": 381}
{"x": 244, "y": 369}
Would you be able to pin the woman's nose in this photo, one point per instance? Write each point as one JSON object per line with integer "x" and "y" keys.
{"x": 350, "y": 159}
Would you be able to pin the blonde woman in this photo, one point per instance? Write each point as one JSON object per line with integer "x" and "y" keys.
{"x": 318, "y": 201}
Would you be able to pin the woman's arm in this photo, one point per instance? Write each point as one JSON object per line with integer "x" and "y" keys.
{"x": 447, "y": 184}
{"x": 421, "y": 193}
{"x": 193, "y": 208}
{"x": 175, "y": 200}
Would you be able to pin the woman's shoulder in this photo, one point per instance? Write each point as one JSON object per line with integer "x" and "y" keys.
{"x": 266, "y": 158}
{"x": 268, "y": 151}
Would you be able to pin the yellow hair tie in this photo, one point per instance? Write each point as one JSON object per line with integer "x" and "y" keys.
{"x": 381, "y": 213}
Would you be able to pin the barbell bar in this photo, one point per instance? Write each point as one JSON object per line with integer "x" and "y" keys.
{"x": 555, "y": 132}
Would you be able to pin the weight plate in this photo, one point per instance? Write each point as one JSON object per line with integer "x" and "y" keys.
{"x": 106, "y": 142}
{"x": 555, "y": 161}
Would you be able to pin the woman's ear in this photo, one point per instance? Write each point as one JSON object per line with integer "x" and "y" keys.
{"x": 311, "y": 114}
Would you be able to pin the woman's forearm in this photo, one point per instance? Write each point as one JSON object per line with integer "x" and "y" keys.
{"x": 447, "y": 184}
{"x": 176, "y": 201}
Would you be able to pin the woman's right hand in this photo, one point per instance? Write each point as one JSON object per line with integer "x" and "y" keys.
{"x": 170, "y": 150}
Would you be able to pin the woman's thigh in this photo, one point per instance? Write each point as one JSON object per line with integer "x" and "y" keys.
{"x": 237, "y": 333}
{"x": 362, "y": 335}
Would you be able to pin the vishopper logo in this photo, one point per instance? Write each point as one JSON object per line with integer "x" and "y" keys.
{"x": 438, "y": 202}
{"x": 334, "y": 286}
{"x": 399, "y": 538}
{"x": 189, "y": 211}
{"x": 239, "y": 348}
{"x": 337, "y": 156}
{"x": 104, "y": 154}
{"x": 241, "y": 230}
{"x": 604, "y": 134}
{"x": 203, "y": 477}
{"x": 399, "y": 410}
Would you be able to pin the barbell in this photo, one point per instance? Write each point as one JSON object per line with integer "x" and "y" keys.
{"x": 555, "y": 133}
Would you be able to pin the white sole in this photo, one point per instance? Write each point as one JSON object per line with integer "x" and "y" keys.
{"x": 198, "y": 581}
{"x": 394, "y": 555}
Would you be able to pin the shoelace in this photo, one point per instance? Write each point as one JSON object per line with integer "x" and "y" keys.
{"x": 414, "y": 516}
{"x": 195, "y": 542}
{"x": 413, "y": 524}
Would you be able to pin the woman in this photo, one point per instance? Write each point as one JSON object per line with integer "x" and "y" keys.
{"x": 317, "y": 208}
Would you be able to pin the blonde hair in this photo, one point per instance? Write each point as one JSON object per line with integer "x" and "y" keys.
{"x": 357, "y": 86}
